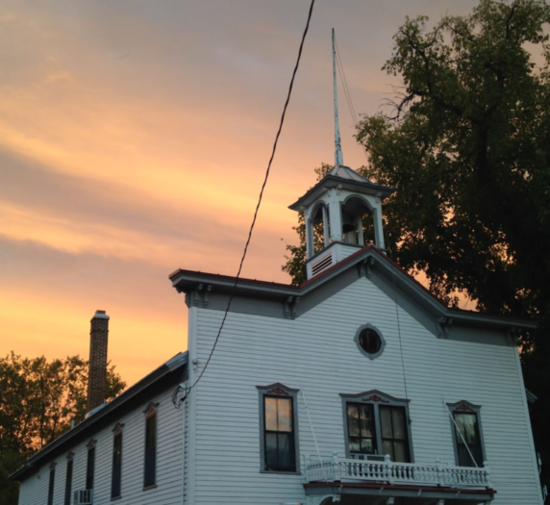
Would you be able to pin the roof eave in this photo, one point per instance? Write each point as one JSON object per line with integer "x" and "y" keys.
{"x": 170, "y": 366}
{"x": 332, "y": 181}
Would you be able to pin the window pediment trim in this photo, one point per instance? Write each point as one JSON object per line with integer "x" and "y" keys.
{"x": 151, "y": 409}
{"x": 277, "y": 389}
{"x": 70, "y": 456}
{"x": 374, "y": 396}
{"x": 464, "y": 406}
{"x": 118, "y": 428}
{"x": 91, "y": 444}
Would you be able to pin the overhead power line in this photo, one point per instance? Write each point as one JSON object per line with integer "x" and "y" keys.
{"x": 233, "y": 290}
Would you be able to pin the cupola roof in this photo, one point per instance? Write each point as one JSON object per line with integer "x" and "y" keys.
{"x": 344, "y": 178}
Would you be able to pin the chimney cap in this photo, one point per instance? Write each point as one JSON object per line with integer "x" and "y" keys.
{"x": 100, "y": 314}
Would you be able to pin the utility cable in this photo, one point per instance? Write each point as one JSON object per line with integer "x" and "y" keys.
{"x": 233, "y": 290}
{"x": 345, "y": 85}
{"x": 347, "y": 93}
{"x": 400, "y": 339}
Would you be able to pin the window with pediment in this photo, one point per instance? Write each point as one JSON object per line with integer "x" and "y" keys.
{"x": 278, "y": 429}
{"x": 150, "y": 468}
{"x": 90, "y": 464}
{"x": 377, "y": 424}
{"x": 467, "y": 435}
{"x": 116, "y": 476}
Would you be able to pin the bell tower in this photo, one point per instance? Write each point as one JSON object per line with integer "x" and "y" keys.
{"x": 343, "y": 211}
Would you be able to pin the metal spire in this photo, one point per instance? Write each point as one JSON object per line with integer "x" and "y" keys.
{"x": 338, "y": 158}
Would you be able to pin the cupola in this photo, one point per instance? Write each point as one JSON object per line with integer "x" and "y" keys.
{"x": 343, "y": 213}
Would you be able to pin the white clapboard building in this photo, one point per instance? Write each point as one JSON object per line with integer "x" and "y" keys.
{"x": 356, "y": 387}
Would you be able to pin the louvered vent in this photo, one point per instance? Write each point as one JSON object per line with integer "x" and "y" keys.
{"x": 321, "y": 264}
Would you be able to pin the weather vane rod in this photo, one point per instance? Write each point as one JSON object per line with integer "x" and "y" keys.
{"x": 338, "y": 158}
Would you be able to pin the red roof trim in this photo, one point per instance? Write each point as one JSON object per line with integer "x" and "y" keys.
{"x": 386, "y": 486}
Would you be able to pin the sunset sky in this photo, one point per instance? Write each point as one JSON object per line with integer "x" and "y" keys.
{"x": 134, "y": 137}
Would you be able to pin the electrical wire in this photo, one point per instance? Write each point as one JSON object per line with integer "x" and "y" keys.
{"x": 232, "y": 295}
{"x": 345, "y": 84}
{"x": 400, "y": 339}
{"x": 347, "y": 93}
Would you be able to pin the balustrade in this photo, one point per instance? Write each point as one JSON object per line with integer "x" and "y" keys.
{"x": 387, "y": 471}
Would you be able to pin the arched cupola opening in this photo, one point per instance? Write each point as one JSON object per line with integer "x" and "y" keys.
{"x": 318, "y": 229}
{"x": 357, "y": 222}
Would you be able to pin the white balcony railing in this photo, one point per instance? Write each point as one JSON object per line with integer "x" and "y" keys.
{"x": 84, "y": 497}
{"x": 387, "y": 471}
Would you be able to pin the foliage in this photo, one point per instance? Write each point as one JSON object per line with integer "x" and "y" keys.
{"x": 38, "y": 401}
{"x": 468, "y": 150}
{"x": 467, "y": 146}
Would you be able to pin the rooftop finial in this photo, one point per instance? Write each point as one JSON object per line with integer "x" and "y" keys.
{"x": 338, "y": 158}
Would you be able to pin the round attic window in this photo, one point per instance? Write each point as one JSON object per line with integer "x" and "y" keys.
{"x": 370, "y": 341}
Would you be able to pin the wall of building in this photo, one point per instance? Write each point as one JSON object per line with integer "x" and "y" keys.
{"x": 317, "y": 354}
{"x": 169, "y": 474}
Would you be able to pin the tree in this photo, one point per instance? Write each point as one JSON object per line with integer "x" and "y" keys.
{"x": 467, "y": 146}
{"x": 38, "y": 401}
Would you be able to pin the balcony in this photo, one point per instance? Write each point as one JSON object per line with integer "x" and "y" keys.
{"x": 379, "y": 475}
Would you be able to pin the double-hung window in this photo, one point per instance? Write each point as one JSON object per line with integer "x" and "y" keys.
{"x": 278, "y": 429}
{"x": 90, "y": 466}
{"x": 51, "y": 484}
{"x": 466, "y": 430}
{"x": 116, "y": 478}
{"x": 69, "y": 479}
{"x": 150, "y": 468}
{"x": 377, "y": 424}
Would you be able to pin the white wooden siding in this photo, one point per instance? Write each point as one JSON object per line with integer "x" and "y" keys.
{"x": 317, "y": 353}
{"x": 34, "y": 490}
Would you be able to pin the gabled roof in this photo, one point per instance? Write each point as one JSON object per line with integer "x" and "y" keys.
{"x": 369, "y": 257}
{"x": 344, "y": 178}
{"x": 87, "y": 427}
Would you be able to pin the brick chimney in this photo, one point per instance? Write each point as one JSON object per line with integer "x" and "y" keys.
{"x": 97, "y": 378}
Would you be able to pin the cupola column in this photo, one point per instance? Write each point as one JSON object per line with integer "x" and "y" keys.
{"x": 335, "y": 213}
{"x": 378, "y": 228}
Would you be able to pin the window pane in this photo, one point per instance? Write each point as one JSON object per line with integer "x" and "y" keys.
{"x": 284, "y": 451}
{"x": 284, "y": 414}
{"x": 270, "y": 413}
{"x": 398, "y": 423}
{"x": 90, "y": 469}
{"x": 467, "y": 427}
{"x": 353, "y": 420}
{"x": 385, "y": 422}
{"x": 387, "y": 448}
{"x": 117, "y": 450}
{"x": 150, "y": 467}
{"x": 68, "y": 482}
{"x": 270, "y": 450}
{"x": 400, "y": 452}
{"x": 367, "y": 421}
{"x": 354, "y": 445}
{"x": 50, "y": 488}
{"x": 353, "y": 411}
{"x": 151, "y": 433}
{"x": 367, "y": 446}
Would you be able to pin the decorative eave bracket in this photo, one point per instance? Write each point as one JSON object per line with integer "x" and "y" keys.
{"x": 289, "y": 306}
{"x": 512, "y": 336}
{"x": 365, "y": 267}
{"x": 443, "y": 324}
{"x": 199, "y": 296}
